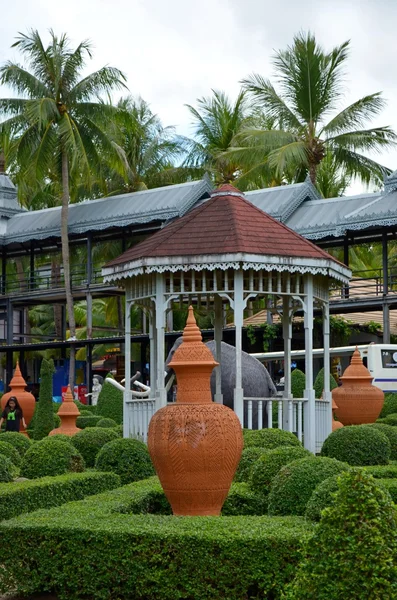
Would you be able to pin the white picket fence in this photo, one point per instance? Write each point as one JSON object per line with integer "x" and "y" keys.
{"x": 258, "y": 414}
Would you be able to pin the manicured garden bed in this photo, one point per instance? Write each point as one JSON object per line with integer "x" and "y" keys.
{"x": 98, "y": 548}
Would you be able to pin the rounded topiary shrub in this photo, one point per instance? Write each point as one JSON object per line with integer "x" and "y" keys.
{"x": 90, "y": 441}
{"x": 7, "y": 449}
{"x": 358, "y": 445}
{"x": 62, "y": 437}
{"x": 322, "y": 497}
{"x": 269, "y": 438}
{"x": 105, "y": 422}
{"x": 18, "y": 440}
{"x": 110, "y": 402}
{"x": 352, "y": 553}
{"x": 249, "y": 456}
{"x": 128, "y": 458}
{"x": 293, "y": 486}
{"x": 87, "y": 421}
{"x": 51, "y": 457}
{"x": 267, "y": 466}
{"x": 390, "y": 420}
{"x": 298, "y": 383}
{"x": 391, "y": 434}
{"x": 319, "y": 383}
{"x": 86, "y": 407}
{"x": 389, "y": 405}
{"x": 6, "y": 470}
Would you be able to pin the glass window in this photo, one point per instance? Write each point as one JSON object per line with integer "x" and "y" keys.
{"x": 389, "y": 359}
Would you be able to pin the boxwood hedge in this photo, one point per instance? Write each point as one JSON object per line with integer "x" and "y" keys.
{"x": 382, "y": 471}
{"x": 293, "y": 486}
{"x": 11, "y": 452}
{"x": 18, "y": 440}
{"x": 89, "y": 442}
{"x": 90, "y": 549}
{"x": 51, "y": 457}
{"x": 242, "y": 500}
{"x": 248, "y": 458}
{"x": 269, "y": 438}
{"x": 87, "y": 421}
{"x": 26, "y": 496}
{"x": 129, "y": 458}
{"x": 391, "y": 434}
{"x": 267, "y": 466}
{"x": 389, "y": 406}
{"x": 6, "y": 469}
{"x": 322, "y": 497}
{"x": 358, "y": 445}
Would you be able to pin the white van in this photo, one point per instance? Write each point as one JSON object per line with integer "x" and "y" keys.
{"x": 380, "y": 359}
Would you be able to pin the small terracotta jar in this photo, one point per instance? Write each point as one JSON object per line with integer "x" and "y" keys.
{"x": 26, "y": 399}
{"x": 358, "y": 401}
{"x": 195, "y": 444}
{"x": 68, "y": 413}
{"x": 335, "y": 424}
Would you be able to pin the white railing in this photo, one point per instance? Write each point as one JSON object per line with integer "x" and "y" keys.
{"x": 138, "y": 413}
{"x": 323, "y": 422}
{"x": 258, "y": 413}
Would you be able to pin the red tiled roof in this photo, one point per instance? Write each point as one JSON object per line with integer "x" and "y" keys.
{"x": 225, "y": 224}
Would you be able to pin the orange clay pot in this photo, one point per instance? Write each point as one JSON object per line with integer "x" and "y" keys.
{"x": 195, "y": 445}
{"x": 68, "y": 413}
{"x": 26, "y": 399}
{"x": 358, "y": 401}
{"x": 335, "y": 424}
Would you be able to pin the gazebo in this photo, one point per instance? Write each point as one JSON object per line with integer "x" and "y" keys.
{"x": 226, "y": 251}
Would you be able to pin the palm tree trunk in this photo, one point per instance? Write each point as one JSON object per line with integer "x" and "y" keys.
{"x": 313, "y": 173}
{"x": 66, "y": 263}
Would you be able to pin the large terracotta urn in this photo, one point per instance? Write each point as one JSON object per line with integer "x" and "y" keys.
{"x": 335, "y": 424}
{"x": 195, "y": 444}
{"x": 68, "y": 413}
{"x": 358, "y": 401}
{"x": 26, "y": 399}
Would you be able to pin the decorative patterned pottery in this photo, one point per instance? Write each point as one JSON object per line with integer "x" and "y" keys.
{"x": 335, "y": 424}
{"x": 68, "y": 413}
{"x": 358, "y": 401}
{"x": 195, "y": 444}
{"x": 26, "y": 399}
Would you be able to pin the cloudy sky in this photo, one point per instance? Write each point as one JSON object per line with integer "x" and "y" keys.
{"x": 175, "y": 51}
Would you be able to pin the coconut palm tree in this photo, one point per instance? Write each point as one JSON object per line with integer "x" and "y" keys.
{"x": 216, "y": 122}
{"x": 310, "y": 88}
{"x": 58, "y": 122}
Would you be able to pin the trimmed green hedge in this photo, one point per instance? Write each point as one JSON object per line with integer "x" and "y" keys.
{"x": 51, "y": 457}
{"x": 298, "y": 383}
{"x": 6, "y": 470}
{"x": 267, "y": 466}
{"x": 90, "y": 549}
{"x": 269, "y": 438}
{"x": 26, "y": 496}
{"x": 391, "y": 434}
{"x": 358, "y": 445}
{"x": 241, "y": 500}
{"x": 292, "y": 488}
{"x": 18, "y": 440}
{"x": 11, "y": 452}
{"x": 389, "y": 406}
{"x": 105, "y": 422}
{"x": 389, "y": 420}
{"x": 89, "y": 442}
{"x": 382, "y": 471}
{"x": 110, "y": 402}
{"x": 86, "y": 407}
{"x": 128, "y": 458}
{"x": 249, "y": 456}
{"x": 322, "y": 497}
{"x": 319, "y": 383}
{"x": 87, "y": 421}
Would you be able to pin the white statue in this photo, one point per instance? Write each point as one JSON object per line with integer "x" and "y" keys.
{"x": 96, "y": 389}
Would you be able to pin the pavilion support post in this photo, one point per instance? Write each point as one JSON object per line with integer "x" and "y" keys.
{"x": 327, "y": 367}
{"x": 160, "y": 333}
{"x": 3, "y": 271}
{"x": 287, "y": 335}
{"x": 310, "y": 405}
{"x": 238, "y": 321}
{"x": 152, "y": 353}
{"x": 127, "y": 365}
{"x": 218, "y": 331}
{"x": 385, "y": 291}
{"x": 346, "y": 261}
{"x": 89, "y": 370}
{"x": 32, "y": 273}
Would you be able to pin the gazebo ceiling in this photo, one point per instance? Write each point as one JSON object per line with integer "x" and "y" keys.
{"x": 224, "y": 232}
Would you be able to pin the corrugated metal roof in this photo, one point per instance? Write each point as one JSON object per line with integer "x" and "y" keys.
{"x": 283, "y": 200}
{"x": 160, "y": 204}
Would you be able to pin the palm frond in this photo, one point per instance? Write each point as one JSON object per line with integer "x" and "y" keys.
{"x": 355, "y": 115}
{"x": 374, "y": 140}
{"x": 292, "y": 155}
{"x": 104, "y": 80}
{"x": 356, "y": 165}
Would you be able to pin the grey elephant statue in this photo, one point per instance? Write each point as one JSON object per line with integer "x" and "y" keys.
{"x": 256, "y": 380}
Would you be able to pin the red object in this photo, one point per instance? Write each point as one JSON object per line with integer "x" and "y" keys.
{"x": 26, "y": 399}
{"x": 79, "y": 391}
{"x": 357, "y": 400}
{"x": 68, "y": 413}
{"x": 195, "y": 444}
{"x": 226, "y": 224}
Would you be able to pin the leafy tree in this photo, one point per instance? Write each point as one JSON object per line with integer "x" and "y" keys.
{"x": 44, "y": 413}
{"x": 57, "y": 125}
{"x": 310, "y": 82}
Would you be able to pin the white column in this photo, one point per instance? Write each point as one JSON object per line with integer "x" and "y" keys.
{"x": 127, "y": 364}
{"x": 327, "y": 371}
{"x": 160, "y": 331}
{"x": 310, "y": 405}
{"x": 152, "y": 352}
{"x": 218, "y": 331}
{"x": 287, "y": 335}
{"x": 238, "y": 321}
